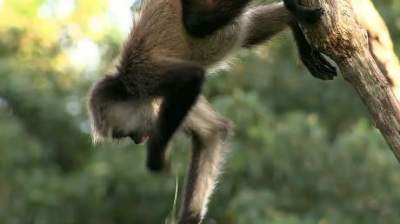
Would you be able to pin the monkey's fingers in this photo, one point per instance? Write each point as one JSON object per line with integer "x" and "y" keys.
{"x": 319, "y": 66}
{"x": 322, "y": 61}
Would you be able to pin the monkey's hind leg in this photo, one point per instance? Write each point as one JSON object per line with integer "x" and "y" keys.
{"x": 209, "y": 134}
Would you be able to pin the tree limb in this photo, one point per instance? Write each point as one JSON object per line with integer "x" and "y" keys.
{"x": 380, "y": 42}
{"x": 340, "y": 36}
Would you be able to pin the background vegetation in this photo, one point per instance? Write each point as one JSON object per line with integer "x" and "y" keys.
{"x": 304, "y": 151}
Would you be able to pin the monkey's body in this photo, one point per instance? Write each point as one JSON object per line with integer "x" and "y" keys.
{"x": 157, "y": 87}
{"x": 167, "y": 38}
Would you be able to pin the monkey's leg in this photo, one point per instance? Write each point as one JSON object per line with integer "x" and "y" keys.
{"x": 178, "y": 84}
{"x": 202, "y": 18}
{"x": 265, "y": 21}
{"x": 209, "y": 133}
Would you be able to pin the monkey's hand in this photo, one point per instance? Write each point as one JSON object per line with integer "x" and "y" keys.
{"x": 157, "y": 156}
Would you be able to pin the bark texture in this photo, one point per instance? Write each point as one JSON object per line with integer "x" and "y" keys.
{"x": 380, "y": 42}
{"x": 340, "y": 36}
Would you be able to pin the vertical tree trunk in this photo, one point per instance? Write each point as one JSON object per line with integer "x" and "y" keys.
{"x": 340, "y": 36}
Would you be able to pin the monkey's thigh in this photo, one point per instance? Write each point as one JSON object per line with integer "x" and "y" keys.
{"x": 204, "y": 122}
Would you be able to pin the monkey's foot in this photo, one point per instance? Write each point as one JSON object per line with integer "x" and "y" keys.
{"x": 319, "y": 66}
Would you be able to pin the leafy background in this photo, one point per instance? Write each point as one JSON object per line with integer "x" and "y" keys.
{"x": 304, "y": 151}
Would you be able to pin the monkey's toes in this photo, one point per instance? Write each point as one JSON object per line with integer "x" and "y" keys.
{"x": 324, "y": 71}
{"x": 322, "y": 68}
{"x": 319, "y": 67}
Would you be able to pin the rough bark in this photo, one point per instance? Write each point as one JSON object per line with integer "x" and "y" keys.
{"x": 341, "y": 37}
{"x": 380, "y": 42}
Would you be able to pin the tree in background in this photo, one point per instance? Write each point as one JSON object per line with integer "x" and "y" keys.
{"x": 304, "y": 151}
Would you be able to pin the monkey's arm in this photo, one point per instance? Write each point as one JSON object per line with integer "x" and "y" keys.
{"x": 202, "y": 18}
{"x": 178, "y": 84}
{"x": 209, "y": 132}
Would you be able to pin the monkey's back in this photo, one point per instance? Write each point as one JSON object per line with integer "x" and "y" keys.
{"x": 159, "y": 32}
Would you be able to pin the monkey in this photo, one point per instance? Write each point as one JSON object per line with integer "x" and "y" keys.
{"x": 156, "y": 89}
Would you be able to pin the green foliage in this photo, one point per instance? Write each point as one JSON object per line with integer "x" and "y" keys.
{"x": 304, "y": 151}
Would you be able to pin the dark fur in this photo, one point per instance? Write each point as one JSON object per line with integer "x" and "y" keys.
{"x": 202, "y": 18}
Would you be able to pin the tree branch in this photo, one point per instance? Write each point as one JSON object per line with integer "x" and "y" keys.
{"x": 340, "y": 36}
{"x": 380, "y": 42}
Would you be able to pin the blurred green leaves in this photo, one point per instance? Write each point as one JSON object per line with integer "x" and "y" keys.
{"x": 304, "y": 151}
